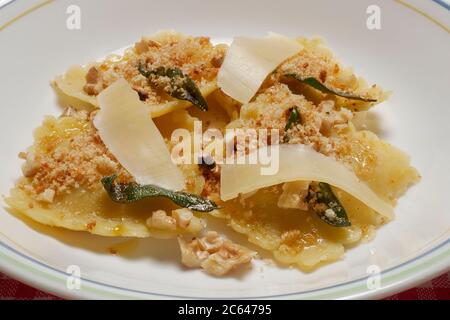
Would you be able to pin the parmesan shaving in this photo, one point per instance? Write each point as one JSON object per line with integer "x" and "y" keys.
{"x": 130, "y": 134}
{"x": 299, "y": 162}
{"x": 249, "y": 61}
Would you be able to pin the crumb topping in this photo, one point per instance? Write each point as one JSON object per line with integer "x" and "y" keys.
{"x": 318, "y": 62}
{"x": 319, "y": 126}
{"x": 194, "y": 56}
{"x": 70, "y": 155}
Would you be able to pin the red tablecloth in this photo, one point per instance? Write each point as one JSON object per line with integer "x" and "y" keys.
{"x": 438, "y": 288}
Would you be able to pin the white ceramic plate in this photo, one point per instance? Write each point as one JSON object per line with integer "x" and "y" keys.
{"x": 408, "y": 55}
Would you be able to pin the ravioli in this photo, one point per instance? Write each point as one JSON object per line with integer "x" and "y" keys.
{"x": 296, "y": 236}
{"x": 305, "y": 95}
{"x": 194, "y": 56}
{"x": 61, "y": 184}
{"x": 318, "y": 62}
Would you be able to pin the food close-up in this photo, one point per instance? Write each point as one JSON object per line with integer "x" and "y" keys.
{"x": 105, "y": 164}
{"x": 224, "y": 150}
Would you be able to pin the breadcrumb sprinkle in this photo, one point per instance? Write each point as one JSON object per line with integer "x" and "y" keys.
{"x": 194, "y": 56}
{"x": 70, "y": 155}
{"x": 319, "y": 126}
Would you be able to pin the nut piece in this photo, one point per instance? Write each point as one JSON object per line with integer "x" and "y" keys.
{"x": 161, "y": 221}
{"x": 183, "y": 216}
{"x": 31, "y": 166}
{"x": 214, "y": 254}
{"x": 92, "y": 75}
{"x": 141, "y": 46}
{"x": 47, "y": 196}
{"x": 186, "y": 220}
{"x": 294, "y": 195}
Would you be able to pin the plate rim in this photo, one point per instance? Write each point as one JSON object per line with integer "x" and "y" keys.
{"x": 402, "y": 276}
{"x": 395, "y": 279}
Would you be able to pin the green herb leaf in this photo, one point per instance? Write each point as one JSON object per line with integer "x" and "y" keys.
{"x": 326, "y": 196}
{"x": 316, "y": 84}
{"x": 132, "y": 192}
{"x": 181, "y": 86}
{"x": 294, "y": 117}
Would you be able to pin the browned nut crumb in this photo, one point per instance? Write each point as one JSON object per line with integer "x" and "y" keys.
{"x": 214, "y": 254}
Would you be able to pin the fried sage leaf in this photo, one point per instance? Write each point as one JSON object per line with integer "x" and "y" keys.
{"x": 132, "y": 192}
{"x": 316, "y": 84}
{"x": 179, "y": 85}
{"x": 335, "y": 215}
{"x": 294, "y": 117}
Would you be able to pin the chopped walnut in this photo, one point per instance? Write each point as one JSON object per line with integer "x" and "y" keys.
{"x": 145, "y": 44}
{"x": 160, "y": 220}
{"x": 294, "y": 195}
{"x": 211, "y": 242}
{"x": 141, "y": 46}
{"x": 214, "y": 254}
{"x": 93, "y": 82}
{"x": 217, "y": 61}
{"x": 31, "y": 166}
{"x": 183, "y": 216}
{"x": 92, "y": 75}
{"x": 330, "y": 118}
{"x": 47, "y": 196}
{"x": 186, "y": 220}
